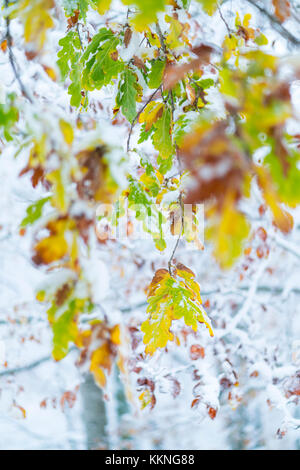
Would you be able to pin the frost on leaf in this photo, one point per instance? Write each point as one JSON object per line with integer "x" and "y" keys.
{"x": 172, "y": 298}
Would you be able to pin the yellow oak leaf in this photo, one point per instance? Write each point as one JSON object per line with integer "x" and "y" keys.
{"x": 36, "y": 18}
{"x": 228, "y": 231}
{"x": 50, "y": 249}
{"x": 67, "y": 131}
{"x": 151, "y": 114}
{"x": 281, "y": 218}
{"x": 172, "y": 297}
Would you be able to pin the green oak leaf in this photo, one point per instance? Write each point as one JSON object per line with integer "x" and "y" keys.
{"x": 128, "y": 95}
{"x": 161, "y": 137}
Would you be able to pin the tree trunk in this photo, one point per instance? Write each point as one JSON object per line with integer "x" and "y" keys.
{"x": 94, "y": 414}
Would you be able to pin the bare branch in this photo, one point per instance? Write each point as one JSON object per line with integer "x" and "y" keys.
{"x": 179, "y": 236}
{"x": 32, "y": 365}
{"x": 224, "y": 21}
{"x": 12, "y": 59}
{"x": 288, "y": 246}
{"x": 276, "y": 23}
{"x": 26, "y": 368}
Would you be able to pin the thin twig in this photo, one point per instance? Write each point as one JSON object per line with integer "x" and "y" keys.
{"x": 248, "y": 302}
{"x": 276, "y": 23}
{"x": 32, "y": 365}
{"x": 174, "y": 251}
{"x": 161, "y": 38}
{"x": 80, "y": 40}
{"x": 26, "y": 368}
{"x": 179, "y": 236}
{"x": 12, "y": 59}
{"x": 288, "y": 246}
{"x": 224, "y": 21}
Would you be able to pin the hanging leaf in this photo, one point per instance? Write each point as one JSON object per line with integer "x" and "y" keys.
{"x": 151, "y": 114}
{"x": 34, "y": 212}
{"x": 99, "y": 64}
{"x": 282, "y": 9}
{"x": 101, "y": 5}
{"x": 228, "y": 230}
{"x": 161, "y": 137}
{"x": 172, "y": 298}
{"x": 36, "y": 18}
{"x": 128, "y": 94}
{"x": 156, "y": 75}
{"x": 209, "y": 6}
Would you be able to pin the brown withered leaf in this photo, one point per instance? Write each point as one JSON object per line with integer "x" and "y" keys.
{"x": 148, "y": 387}
{"x": 114, "y": 56}
{"x": 225, "y": 383}
{"x": 182, "y": 267}
{"x": 175, "y": 221}
{"x": 292, "y": 385}
{"x": 281, "y": 218}
{"x": 50, "y": 72}
{"x": 69, "y": 398}
{"x": 158, "y": 277}
{"x": 215, "y": 164}
{"x": 195, "y": 402}
{"x": 102, "y": 358}
{"x": 282, "y": 9}
{"x": 38, "y": 175}
{"x": 53, "y": 247}
{"x": 62, "y": 294}
{"x": 127, "y": 36}
{"x": 176, "y": 387}
{"x": 83, "y": 225}
{"x": 191, "y": 94}
{"x": 73, "y": 20}
{"x": 197, "y": 351}
{"x": 43, "y": 404}
{"x": 94, "y": 169}
{"x": 50, "y": 249}
{"x": 212, "y": 412}
{"x": 243, "y": 32}
{"x": 143, "y": 381}
{"x": 139, "y": 63}
{"x": 175, "y": 73}
{"x": 30, "y": 55}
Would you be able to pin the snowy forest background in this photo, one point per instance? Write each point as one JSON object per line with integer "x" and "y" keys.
{"x": 245, "y": 379}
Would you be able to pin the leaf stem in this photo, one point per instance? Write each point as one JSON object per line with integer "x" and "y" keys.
{"x": 179, "y": 236}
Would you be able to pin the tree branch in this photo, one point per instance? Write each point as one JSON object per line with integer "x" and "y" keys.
{"x": 276, "y": 23}
{"x": 288, "y": 246}
{"x": 137, "y": 116}
{"x": 224, "y": 21}
{"x": 248, "y": 302}
{"x": 179, "y": 236}
{"x": 32, "y": 365}
{"x": 12, "y": 59}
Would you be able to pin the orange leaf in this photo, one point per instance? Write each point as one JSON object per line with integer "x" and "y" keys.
{"x": 4, "y": 45}
{"x": 282, "y": 9}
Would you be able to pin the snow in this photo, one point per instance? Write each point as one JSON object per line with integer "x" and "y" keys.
{"x": 254, "y": 311}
